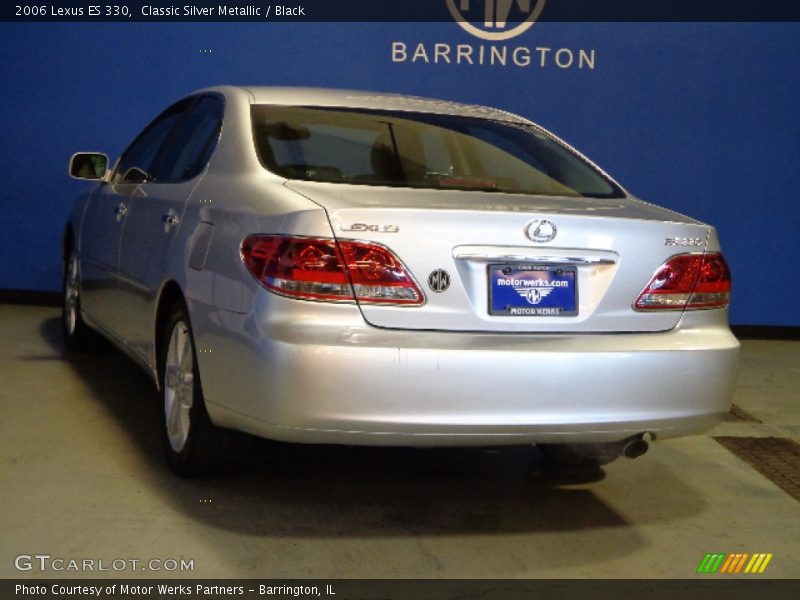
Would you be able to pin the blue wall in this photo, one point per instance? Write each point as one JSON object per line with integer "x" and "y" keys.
{"x": 702, "y": 118}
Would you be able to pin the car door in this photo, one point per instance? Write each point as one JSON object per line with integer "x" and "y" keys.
{"x": 105, "y": 221}
{"x": 156, "y": 212}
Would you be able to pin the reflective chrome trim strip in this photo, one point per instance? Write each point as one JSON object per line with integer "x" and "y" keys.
{"x": 570, "y": 256}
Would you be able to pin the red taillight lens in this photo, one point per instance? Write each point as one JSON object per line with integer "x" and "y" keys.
{"x": 324, "y": 269}
{"x": 688, "y": 281}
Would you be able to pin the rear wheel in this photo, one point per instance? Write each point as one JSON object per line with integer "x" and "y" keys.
{"x": 77, "y": 335}
{"x": 194, "y": 446}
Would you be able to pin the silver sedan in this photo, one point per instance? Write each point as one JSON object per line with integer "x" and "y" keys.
{"x": 327, "y": 266}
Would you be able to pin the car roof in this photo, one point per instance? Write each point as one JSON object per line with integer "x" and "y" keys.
{"x": 309, "y": 96}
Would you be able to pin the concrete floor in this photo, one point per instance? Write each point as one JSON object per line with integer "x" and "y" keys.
{"x": 83, "y": 477}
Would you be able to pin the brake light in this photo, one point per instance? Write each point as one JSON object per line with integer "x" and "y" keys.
{"x": 688, "y": 281}
{"x": 329, "y": 270}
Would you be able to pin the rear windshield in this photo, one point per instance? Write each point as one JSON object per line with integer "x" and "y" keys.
{"x": 421, "y": 150}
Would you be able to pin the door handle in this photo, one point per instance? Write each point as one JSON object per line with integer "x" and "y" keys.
{"x": 121, "y": 211}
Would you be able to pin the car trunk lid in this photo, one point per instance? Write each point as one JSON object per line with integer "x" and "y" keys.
{"x": 472, "y": 255}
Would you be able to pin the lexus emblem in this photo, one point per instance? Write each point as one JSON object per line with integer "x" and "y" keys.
{"x": 541, "y": 231}
{"x": 439, "y": 280}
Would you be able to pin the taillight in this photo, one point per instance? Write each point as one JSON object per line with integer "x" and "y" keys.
{"x": 688, "y": 281}
{"x": 324, "y": 269}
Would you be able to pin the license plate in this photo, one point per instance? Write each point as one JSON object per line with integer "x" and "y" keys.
{"x": 533, "y": 291}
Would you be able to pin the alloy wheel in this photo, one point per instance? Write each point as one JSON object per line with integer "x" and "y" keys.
{"x": 71, "y": 291}
{"x": 179, "y": 386}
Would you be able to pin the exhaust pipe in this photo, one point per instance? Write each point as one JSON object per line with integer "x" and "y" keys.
{"x": 636, "y": 447}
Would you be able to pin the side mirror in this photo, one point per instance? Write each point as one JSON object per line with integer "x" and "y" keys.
{"x": 135, "y": 175}
{"x": 88, "y": 165}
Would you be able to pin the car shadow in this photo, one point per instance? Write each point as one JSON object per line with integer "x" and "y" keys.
{"x": 340, "y": 491}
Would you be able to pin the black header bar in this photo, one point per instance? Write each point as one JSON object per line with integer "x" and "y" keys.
{"x": 397, "y": 11}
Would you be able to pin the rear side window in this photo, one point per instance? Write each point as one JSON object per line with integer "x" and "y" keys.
{"x": 189, "y": 148}
{"x": 407, "y": 149}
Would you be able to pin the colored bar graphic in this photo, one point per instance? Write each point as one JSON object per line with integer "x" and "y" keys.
{"x": 711, "y": 563}
{"x": 767, "y": 558}
{"x": 740, "y": 564}
{"x": 728, "y": 563}
{"x": 754, "y": 564}
{"x": 734, "y": 563}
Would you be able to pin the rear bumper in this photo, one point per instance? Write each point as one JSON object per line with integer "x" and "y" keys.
{"x": 336, "y": 380}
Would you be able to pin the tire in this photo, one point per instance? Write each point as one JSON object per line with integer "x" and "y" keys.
{"x": 581, "y": 455}
{"x": 77, "y": 335}
{"x": 193, "y": 445}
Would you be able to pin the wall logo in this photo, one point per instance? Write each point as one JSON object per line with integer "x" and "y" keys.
{"x": 494, "y": 23}
{"x": 495, "y": 17}
{"x": 732, "y": 564}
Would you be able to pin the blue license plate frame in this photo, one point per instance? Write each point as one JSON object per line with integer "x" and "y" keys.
{"x": 533, "y": 290}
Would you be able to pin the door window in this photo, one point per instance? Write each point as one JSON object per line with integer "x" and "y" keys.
{"x": 137, "y": 164}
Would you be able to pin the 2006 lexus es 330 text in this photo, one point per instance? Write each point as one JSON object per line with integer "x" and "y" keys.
{"x": 345, "y": 267}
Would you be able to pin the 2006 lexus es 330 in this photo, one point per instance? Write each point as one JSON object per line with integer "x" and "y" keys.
{"x": 345, "y": 267}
